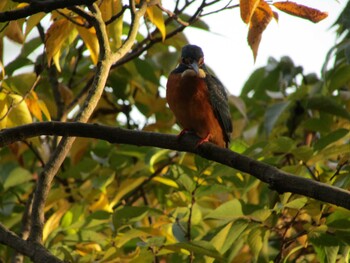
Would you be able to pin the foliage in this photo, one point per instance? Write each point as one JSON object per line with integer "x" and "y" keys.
{"x": 121, "y": 203}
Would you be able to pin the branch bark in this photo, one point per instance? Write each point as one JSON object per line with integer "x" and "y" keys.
{"x": 36, "y": 252}
{"x": 277, "y": 180}
{"x": 35, "y": 7}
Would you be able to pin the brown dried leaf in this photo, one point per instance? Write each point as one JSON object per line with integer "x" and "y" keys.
{"x": 14, "y": 32}
{"x": 258, "y": 23}
{"x": 302, "y": 11}
{"x": 247, "y": 8}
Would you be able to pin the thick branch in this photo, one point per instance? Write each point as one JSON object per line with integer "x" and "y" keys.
{"x": 40, "y": 6}
{"x": 56, "y": 159}
{"x": 277, "y": 180}
{"x": 36, "y": 252}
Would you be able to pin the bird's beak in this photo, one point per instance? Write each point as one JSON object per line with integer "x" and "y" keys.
{"x": 195, "y": 67}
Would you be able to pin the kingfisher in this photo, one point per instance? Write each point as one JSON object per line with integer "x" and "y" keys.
{"x": 198, "y": 99}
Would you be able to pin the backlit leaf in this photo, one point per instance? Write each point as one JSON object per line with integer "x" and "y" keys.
{"x": 258, "y": 23}
{"x": 255, "y": 241}
{"x": 33, "y": 21}
{"x": 155, "y": 15}
{"x": 247, "y": 8}
{"x": 56, "y": 35}
{"x": 17, "y": 176}
{"x": 229, "y": 210}
{"x": 19, "y": 113}
{"x": 110, "y": 8}
{"x": 302, "y": 11}
{"x": 330, "y": 138}
{"x": 89, "y": 37}
{"x": 14, "y": 32}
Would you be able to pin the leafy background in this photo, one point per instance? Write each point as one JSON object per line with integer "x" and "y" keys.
{"x": 121, "y": 203}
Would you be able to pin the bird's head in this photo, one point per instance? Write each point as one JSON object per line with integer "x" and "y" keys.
{"x": 192, "y": 56}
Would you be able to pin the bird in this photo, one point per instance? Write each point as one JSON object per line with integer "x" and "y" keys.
{"x": 198, "y": 99}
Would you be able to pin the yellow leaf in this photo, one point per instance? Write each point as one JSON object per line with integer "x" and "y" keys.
{"x": 155, "y": 15}
{"x": 32, "y": 22}
{"x": 19, "y": 113}
{"x": 258, "y": 23}
{"x": 166, "y": 181}
{"x": 14, "y": 32}
{"x": 3, "y": 110}
{"x": 101, "y": 204}
{"x": 56, "y": 35}
{"x": 125, "y": 187}
{"x": 2, "y": 71}
{"x": 247, "y": 8}
{"x": 89, "y": 37}
{"x": 44, "y": 109}
{"x": 34, "y": 108}
{"x": 302, "y": 11}
{"x": 54, "y": 220}
{"x": 115, "y": 29}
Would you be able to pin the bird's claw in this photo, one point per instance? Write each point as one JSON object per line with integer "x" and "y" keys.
{"x": 203, "y": 140}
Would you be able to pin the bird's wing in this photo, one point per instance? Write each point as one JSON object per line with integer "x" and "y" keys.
{"x": 219, "y": 102}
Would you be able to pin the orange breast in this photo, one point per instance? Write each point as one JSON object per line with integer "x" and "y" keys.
{"x": 188, "y": 98}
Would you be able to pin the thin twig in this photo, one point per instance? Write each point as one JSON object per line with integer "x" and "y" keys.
{"x": 13, "y": 105}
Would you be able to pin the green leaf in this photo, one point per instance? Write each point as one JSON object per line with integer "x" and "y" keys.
{"x": 229, "y": 210}
{"x": 236, "y": 231}
{"x": 17, "y": 176}
{"x": 326, "y": 247}
{"x": 198, "y": 247}
{"x": 179, "y": 230}
{"x": 146, "y": 70}
{"x": 340, "y": 77}
{"x": 219, "y": 239}
{"x": 303, "y": 153}
{"x": 328, "y": 105}
{"x": 281, "y": 144}
{"x": 255, "y": 241}
{"x": 211, "y": 189}
{"x": 297, "y": 203}
{"x": 329, "y": 152}
{"x": 154, "y": 156}
{"x": 318, "y": 124}
{"x": 253, "y": 81}
{"x": 67, "y": 219}
{"x": 330, "y": 138}
{"x": 273, "y": 113}
{"x": 187, "y": 182}
{"x": 128, "y": 215}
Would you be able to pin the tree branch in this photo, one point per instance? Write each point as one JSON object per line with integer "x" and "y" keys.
{"x": 36, "y": 252}
{"x": 56, "y": 159}
{"x": 35, "y": 7}
{"x": 276, "y": 179}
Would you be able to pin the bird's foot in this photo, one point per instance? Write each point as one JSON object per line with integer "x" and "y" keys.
{"x": 203, "y": 140}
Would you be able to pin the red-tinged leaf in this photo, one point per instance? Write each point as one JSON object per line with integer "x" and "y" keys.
{"x": 258, "y": 23}
{"x": 34, "y": 108}
{"x": 247, "y": 8}
{"x": 302, "y": 11}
